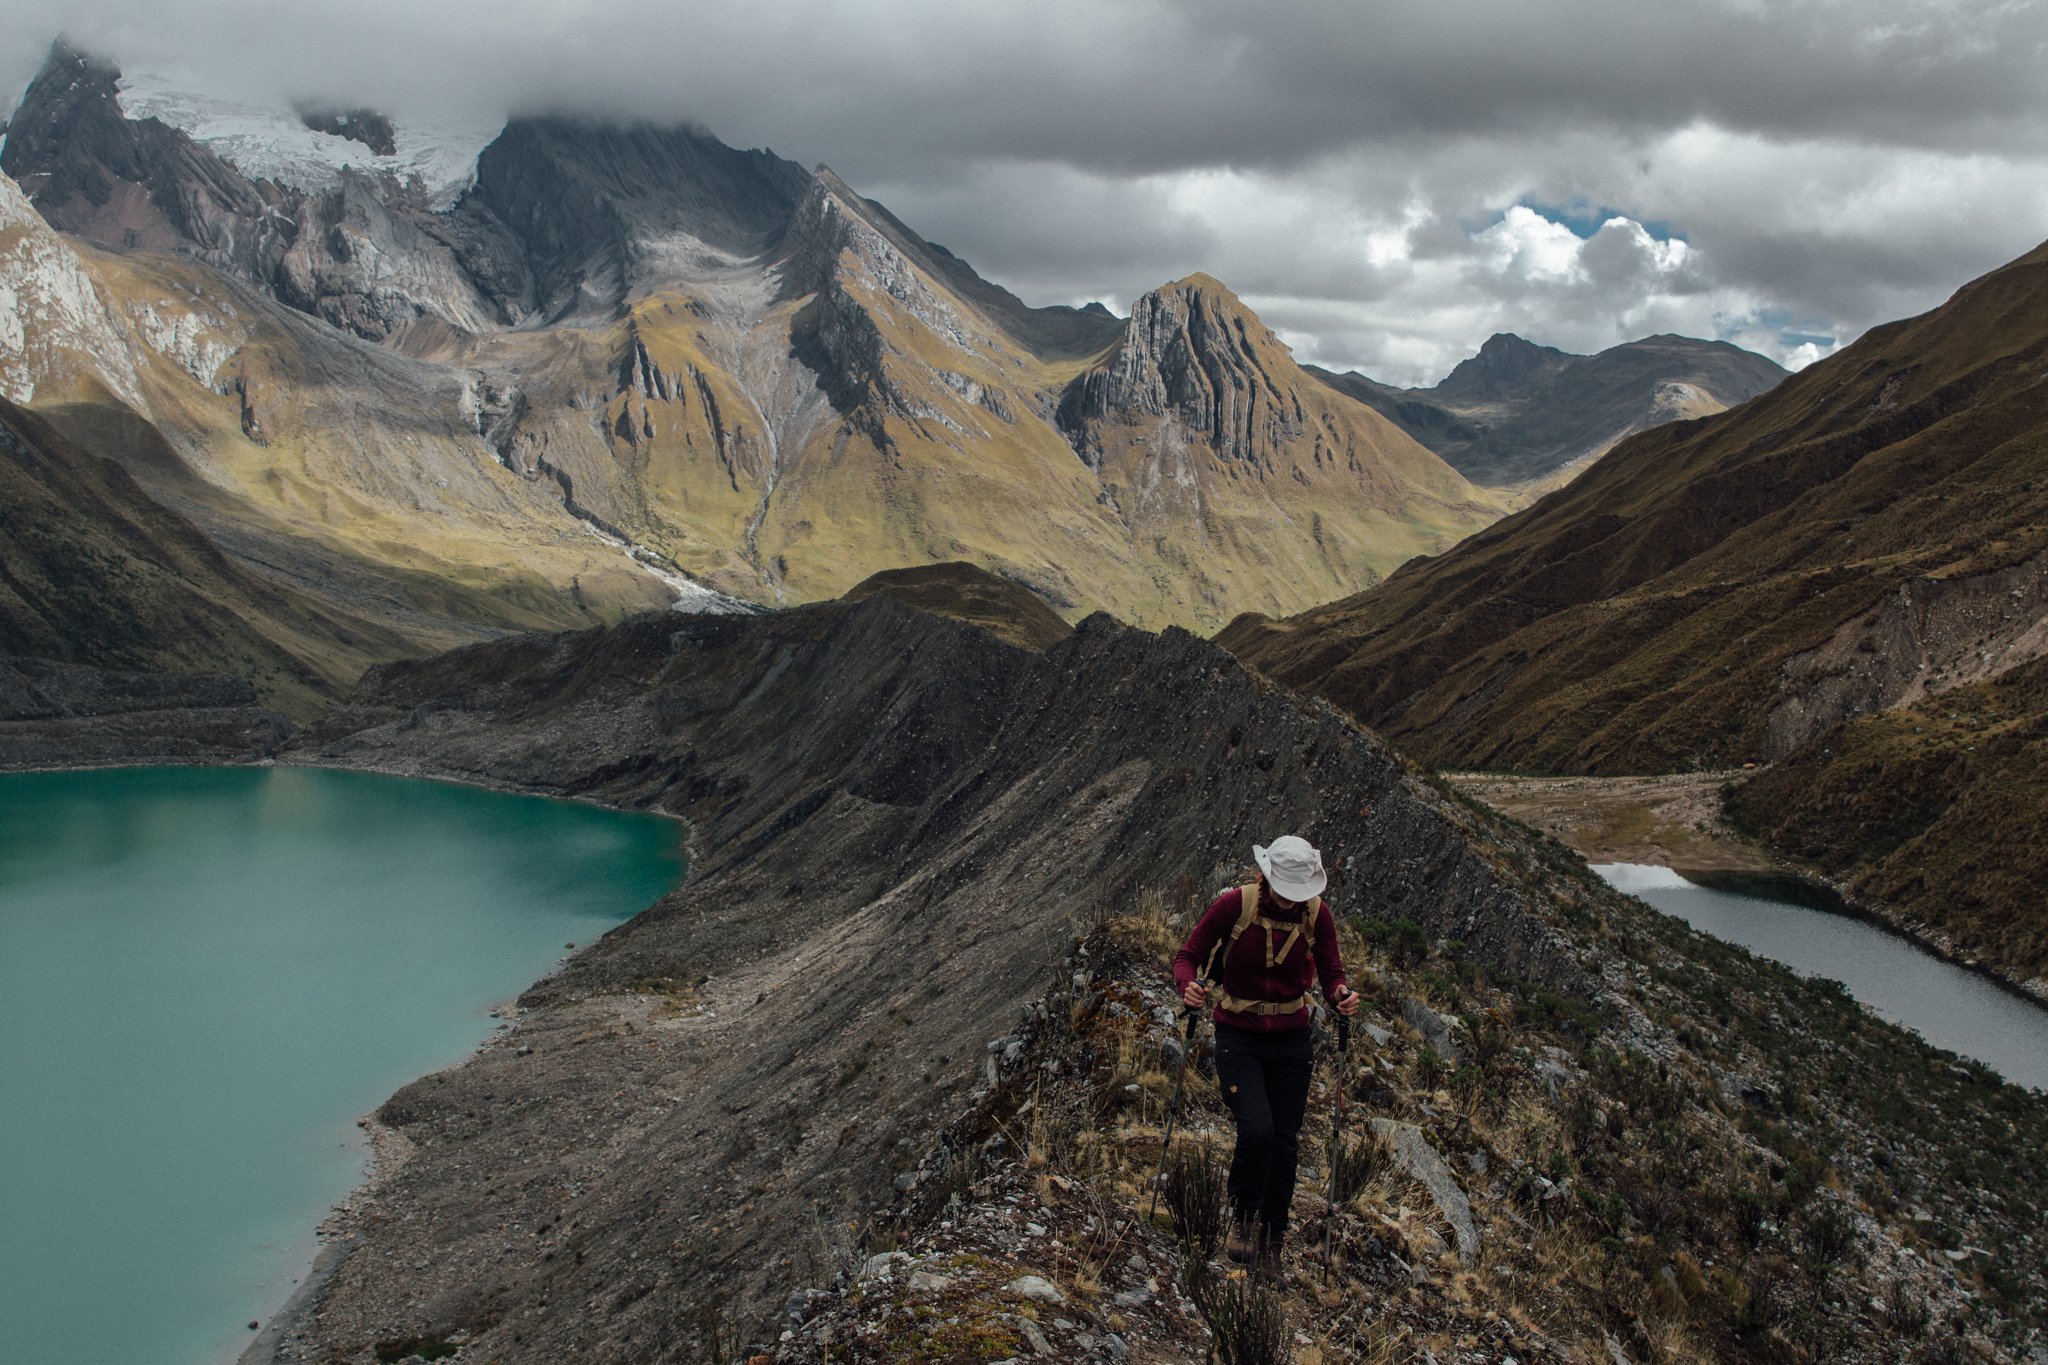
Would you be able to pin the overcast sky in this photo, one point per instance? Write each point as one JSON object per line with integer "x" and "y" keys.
{"x": 1387, "y": 185}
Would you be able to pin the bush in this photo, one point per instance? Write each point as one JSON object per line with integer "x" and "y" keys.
{"x": 1247, "y": 1326}
{"x": 1355, "y": 1163}
{"x": 1830, "y": 1235}
{"x": 1195, "y": 1195}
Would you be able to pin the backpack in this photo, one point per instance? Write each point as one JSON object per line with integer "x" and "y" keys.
{"x": 1248, "y": 915}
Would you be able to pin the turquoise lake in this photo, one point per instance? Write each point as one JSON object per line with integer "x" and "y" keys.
{"x": 206, "y": 976}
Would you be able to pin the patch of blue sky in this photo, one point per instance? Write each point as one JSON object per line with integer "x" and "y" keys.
{"x": 1585, "y": 218}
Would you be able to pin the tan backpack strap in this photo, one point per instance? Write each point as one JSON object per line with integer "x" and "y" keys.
{"x": 1247, "y": 911}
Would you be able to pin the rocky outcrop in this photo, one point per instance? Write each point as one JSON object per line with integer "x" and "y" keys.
{"x": 598, "y": 207}
{"x": 55, "y": 330}
{"x": 1191, "y": 352}
{"x": 371, "y": 259}
{"x": 93, "y": 171}
{"x": 1926, "y": 636}
{"x": 366, "y": 126}
{"x": 366, "y": 254}
{"x": 55, "y": 714}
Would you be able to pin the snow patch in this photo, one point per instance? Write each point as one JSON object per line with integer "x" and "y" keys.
{"x": 274, "y": 144}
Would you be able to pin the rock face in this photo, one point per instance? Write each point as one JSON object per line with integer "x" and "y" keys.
{"x": 1188, "y": 353}
{"x": 366, "y": 254}
{"x": 1413, "y": 1154}
{"x": 897, "y": 821}
{"x": 54, "y": 326}
{"x": 596, "y": 210}
{"x": 1519, "y": 413}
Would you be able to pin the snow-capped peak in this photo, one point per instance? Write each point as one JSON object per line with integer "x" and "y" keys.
{"x": 275, "y": 144}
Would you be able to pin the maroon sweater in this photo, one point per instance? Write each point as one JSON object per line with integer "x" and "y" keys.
{"x": 1244, "y": 972}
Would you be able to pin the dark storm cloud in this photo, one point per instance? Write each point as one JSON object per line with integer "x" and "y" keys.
{"x": 1348, "y": 167}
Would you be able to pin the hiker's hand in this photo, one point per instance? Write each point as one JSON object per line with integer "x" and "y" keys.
{"x": 1195, "y": 995}
{"x": 1347, "y": 1003}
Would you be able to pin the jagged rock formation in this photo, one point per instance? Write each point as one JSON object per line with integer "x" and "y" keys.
{"x": 1199, "y": 418}
{"x": 1865, "y": 536}
{"x": 1518, "y": 413}
{"x": 900, "y": 826}
{"x": 366, "y": 254}
{"x": 1188, "y": 353}
{"x": 745, "y": 379}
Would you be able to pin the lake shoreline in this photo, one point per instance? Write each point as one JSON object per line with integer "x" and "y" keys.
{"x": 1674, "y": 821}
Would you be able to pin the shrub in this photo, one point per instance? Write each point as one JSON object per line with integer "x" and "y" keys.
{"x": 1195, "y": 1196}
{"x": 1355, "y": 1163}
{"x": 1247, "y": 1326}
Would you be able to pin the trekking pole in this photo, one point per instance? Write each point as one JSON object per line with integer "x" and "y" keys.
{"x": 1337, "y": 1134}
{"x": 1189, "y": 1015}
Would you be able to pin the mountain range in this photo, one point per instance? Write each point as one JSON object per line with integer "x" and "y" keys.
{"x": 450, "y": 383}
{"x": 627, "y": 362}
{"x": 1519, "y": 413}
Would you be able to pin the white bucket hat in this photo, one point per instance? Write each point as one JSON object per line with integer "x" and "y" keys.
{"x": 1292, "y": 868}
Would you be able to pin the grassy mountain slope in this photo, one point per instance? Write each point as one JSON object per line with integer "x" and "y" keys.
{"x": 1933, "y": 811}
{"x": 1701, "y": 596}
{"x": 94, "y": 571}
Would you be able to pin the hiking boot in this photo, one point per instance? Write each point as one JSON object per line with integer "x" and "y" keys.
{"x": 1242, "y": 1243}
{"x": 1268, "y": 1267}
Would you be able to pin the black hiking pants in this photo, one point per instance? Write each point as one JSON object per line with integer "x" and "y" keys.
{"x": 1264, "y": 1078}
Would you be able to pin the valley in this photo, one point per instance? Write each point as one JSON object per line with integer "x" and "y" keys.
{"x": 586, "y": 456}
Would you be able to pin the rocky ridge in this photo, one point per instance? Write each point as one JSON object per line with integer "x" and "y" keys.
{"x": 901, "y": 825}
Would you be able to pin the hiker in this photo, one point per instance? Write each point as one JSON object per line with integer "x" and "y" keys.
{"x": 1261, "y": 960}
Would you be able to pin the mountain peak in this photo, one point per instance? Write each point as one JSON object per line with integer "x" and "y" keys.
{"x": 1194, "y": 349}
